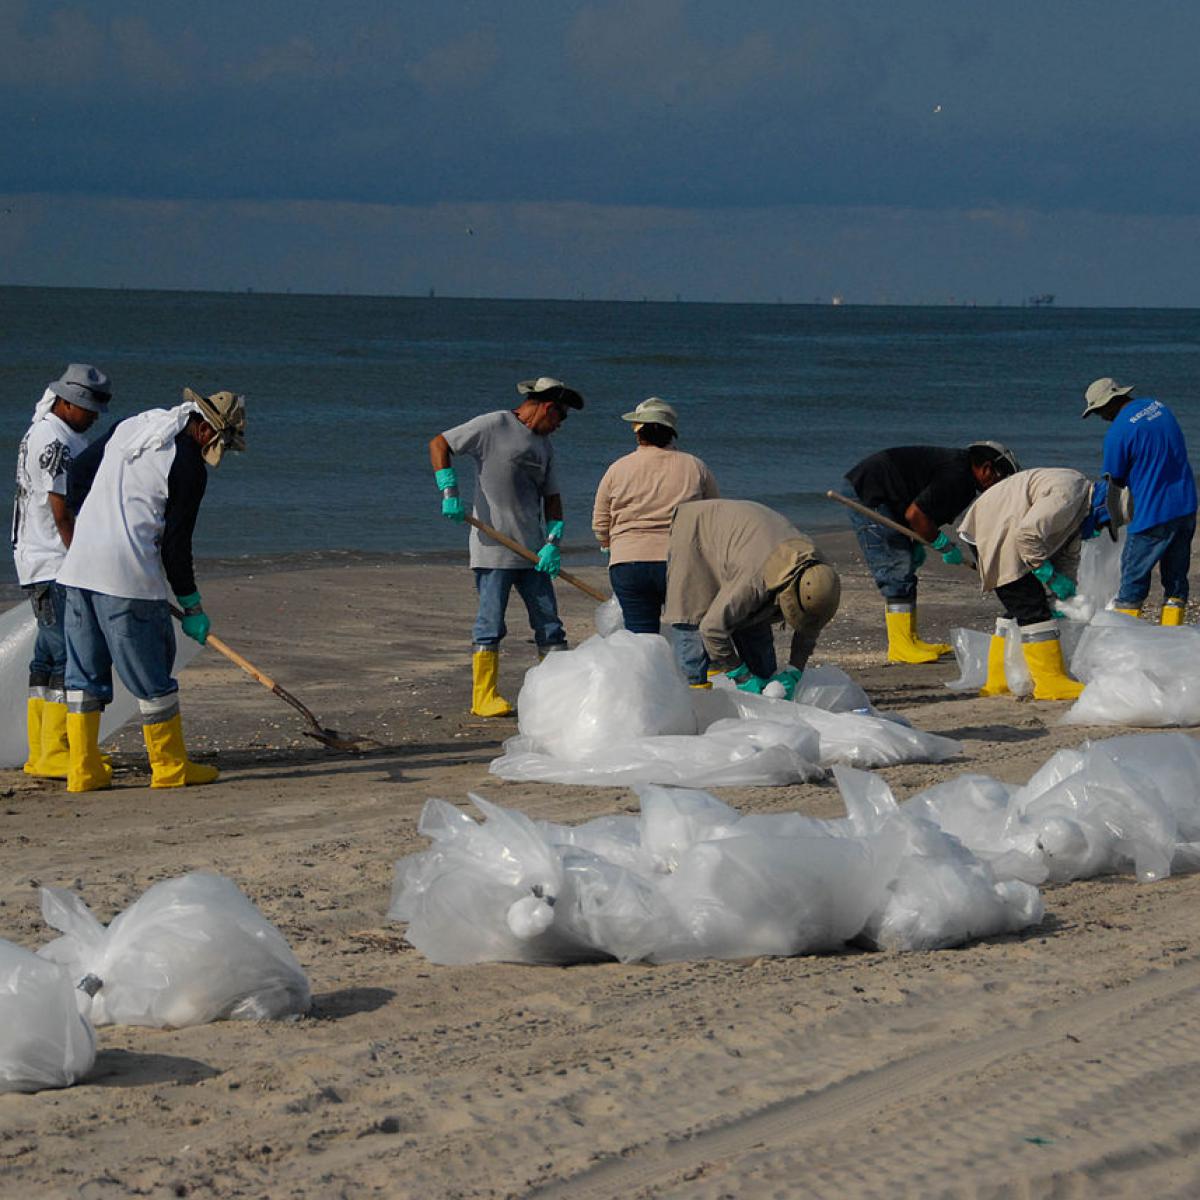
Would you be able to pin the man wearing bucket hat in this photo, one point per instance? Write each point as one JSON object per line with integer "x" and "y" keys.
{"x": 516, "y": 493}
{"x": 1144, "y": 450}
{"x": 635, "y": 502}
{"x": 41, "y": 533}
{"x": 923, "y": 487}
{"x": 133, "y": 548}
{"x": 1026, "y": 532}
{"x": 733, "y": 568}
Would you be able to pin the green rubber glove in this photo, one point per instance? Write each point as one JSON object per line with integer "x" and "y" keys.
{"x": 788, "y": 679}
{"x": 549, "y": 556}
{"x": 951, "y": 554}
{"x": 1063, "y": 586}
{"x": 194, "y": 623}
{"x": 452, "y": 505}
{"x": 746, "y": 680}
{"x": 918, "y": 556}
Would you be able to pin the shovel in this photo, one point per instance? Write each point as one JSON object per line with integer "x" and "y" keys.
{"x": 329, "y": 738}
{"x": 880, "y": 519}
{"x": 517, "y": 548}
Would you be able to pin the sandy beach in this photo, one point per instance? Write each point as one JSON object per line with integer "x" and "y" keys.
{"x": 1060, "y": 1062}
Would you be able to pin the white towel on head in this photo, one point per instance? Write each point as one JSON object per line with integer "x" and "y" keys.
{"x": 152, "y": 430}
{"x": 44, "y": 405}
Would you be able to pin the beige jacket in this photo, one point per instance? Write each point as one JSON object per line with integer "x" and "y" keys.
{"x": 1025, "y": 520}
{"x": 719, "y": 556}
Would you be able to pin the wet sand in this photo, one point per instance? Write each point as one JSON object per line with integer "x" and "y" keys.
{"x": 1061, "y": 1062}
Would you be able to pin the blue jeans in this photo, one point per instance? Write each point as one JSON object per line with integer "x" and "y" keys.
{"x": 641, "y": 590}
{"x": 49, "y": 660}
{"x": 755, "y": 644}
{"x": 534, "y": 587}
{"x": 1170, "y": 546}
{"x": 889, "y": 554}
{"x": 135, "y": 636}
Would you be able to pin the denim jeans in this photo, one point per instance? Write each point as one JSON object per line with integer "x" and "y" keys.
{"x": 1170, "y": 546}
{"x": 135, "y": 636}
{"x": 534, "y": 587}
{"x": 755, "y": 644}
{"x": 49, "y": 660}
{"x": 641, "y": 590}
{"x": 889, "y": 554}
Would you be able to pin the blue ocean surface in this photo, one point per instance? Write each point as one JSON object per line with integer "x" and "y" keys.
{"x": 344, "y": 393}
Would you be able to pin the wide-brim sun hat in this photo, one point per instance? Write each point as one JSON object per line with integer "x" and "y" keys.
{"x": 226, "y": 413}
{"x": 84, "y": 386}
{"x": 1102, "y": 392}
{"x": 653, "y": 411}
{"x": 546, "y": 388}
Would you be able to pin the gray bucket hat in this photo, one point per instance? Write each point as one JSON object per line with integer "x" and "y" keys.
{"x": 653, "y": 411}
{"x": 84, "y": 385}
{"x": 1101, "y": 392}
{"x": 546, "y": 388}
{"x": 1002, "y": 457}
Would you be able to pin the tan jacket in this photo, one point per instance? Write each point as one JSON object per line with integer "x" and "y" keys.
{"x": 717, "y": 567}
{"x": 1025, "y": 520}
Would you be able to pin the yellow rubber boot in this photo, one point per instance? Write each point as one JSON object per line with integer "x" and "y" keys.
{"x": 705, "y": 686}
{"x": 997, "y": 681}
{"x": 1129, "y": 612}
{"x": 169, "y": 763}
{"x": 56, "y": 753}
{"x": 903, "y": 644}
{"x": 35, "y": 707}
{"x": 1043, "y": 656}
{"x": 86, "y": 770}
{"x": 485, "y": 700}
{"x": 1173, "y": 611}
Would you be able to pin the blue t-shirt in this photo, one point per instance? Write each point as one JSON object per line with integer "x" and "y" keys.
{"x": 1144, "y": 450}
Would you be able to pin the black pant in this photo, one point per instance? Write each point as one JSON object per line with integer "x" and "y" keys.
{"x": 1025, "y": 600}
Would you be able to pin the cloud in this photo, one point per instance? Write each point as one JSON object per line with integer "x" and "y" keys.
{"x": 464, "y": 64}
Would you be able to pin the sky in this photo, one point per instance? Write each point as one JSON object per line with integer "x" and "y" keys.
{"x": 956, "y": 151}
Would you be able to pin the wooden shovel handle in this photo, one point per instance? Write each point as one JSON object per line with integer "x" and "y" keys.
{"x": 517, "y": 548}
{"x": 246, "y": 665}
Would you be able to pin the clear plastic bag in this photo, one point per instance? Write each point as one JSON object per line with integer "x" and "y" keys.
{"x": 44, "y": 1041}
{"x": 188, "y": 951}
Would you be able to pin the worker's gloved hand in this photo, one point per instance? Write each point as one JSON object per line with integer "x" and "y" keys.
{"x": 918, "y": 556}
{"x": 950, "y": 553}
{"x": 195, "y": 622}
{"x": 1063, "y": 586}
{"x": 788, "y": 679}
{"x": 549, "y": 556}
{"x": 452, "y": 505}
{"x": 746, "y": 680}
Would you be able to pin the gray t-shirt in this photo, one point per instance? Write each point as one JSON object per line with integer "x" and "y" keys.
{"x": 514, "y": 472}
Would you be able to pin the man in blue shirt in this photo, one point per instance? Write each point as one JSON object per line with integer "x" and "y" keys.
{"x": 1144, "y": 451}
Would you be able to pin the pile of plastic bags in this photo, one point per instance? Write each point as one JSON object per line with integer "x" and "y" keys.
{"x": 617, "y": 711}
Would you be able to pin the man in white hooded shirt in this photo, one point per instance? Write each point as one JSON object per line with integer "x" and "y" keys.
{"x": 41, "y": 533}
{"x": 132, "y": 547}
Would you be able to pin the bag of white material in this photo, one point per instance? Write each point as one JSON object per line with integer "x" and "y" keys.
{"x": 580, "y": 703}
{"x": 971, "y": 654}
{"x": 609, "y": 617}
{"x": 190, "y": 950}
{"x": 44, "y": 1041}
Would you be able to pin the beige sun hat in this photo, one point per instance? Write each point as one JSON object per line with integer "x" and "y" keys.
{"x": 1101, "y": 392}
{"x": 226, "y": 413}
{"x": 653, "y": 411}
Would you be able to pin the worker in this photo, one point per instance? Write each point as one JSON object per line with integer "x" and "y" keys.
{"x": 1026, "y": 533}
{"x": 41, "y": 534}
{"x": 516, "y": 493}
{"x": 144, "y": 482}
{"x": 1144, "y": 450}
{"x": 635, "y": 502}
{"x": 733, "y": 568}
{"x": 923, "y": 488}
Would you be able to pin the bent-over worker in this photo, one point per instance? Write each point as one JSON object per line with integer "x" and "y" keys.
{"x": 733, "y": 568}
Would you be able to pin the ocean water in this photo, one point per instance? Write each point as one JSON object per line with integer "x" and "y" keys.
{"x": 344, "y": 393}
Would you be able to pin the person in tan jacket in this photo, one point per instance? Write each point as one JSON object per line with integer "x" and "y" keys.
{"x": 733, "y": 568}
{"x": 1027, "y": 531}
{"x": 635, "y": 502}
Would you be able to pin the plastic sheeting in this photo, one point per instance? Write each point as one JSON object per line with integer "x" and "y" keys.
{"x": 44, "y": 1042}
{"x": 18, "y": 630}
{"x": 690, "y": 878}
{"x": 188, "y": 951}
{"x": 617, "y": 711}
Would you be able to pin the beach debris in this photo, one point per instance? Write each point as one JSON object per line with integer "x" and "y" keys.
{"x": 44, "y": 1041}
{"x": 190, "y": 950}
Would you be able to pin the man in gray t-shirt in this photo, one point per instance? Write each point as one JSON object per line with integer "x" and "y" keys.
{"x": 515, "y": 490}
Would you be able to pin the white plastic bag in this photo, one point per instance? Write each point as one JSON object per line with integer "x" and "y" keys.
{"x": 188, "y": 951}
{"x": 44, "y": 1042}
{"x": 609, "y": 617}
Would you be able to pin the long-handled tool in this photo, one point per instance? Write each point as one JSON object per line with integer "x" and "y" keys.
{"x": 329, "y": 738}
{"x": 880, "y": 519}
{"x": 517, "y": 548}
